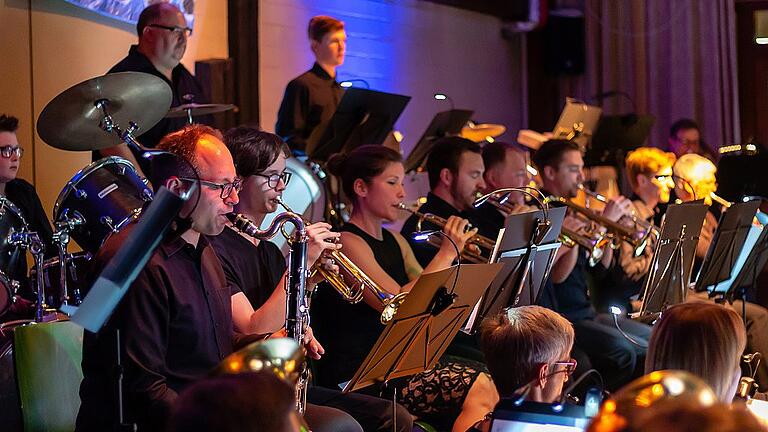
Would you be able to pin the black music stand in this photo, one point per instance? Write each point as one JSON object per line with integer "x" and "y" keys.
{"x": 615, "y": 136}
{"x": 443, "y": 124}
{"x": 362, "y": 117}
{"x": 670, "y": 272}
{"x": 727, "y": 243}
{"x": 527, "y": 247}
{"x": 419, "y": 334}
{"x": 753, "y": 266}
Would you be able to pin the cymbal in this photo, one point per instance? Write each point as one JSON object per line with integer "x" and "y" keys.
{"x": 195, "y": 110}
{"x": 479, "y": 132}
{"x": 71, "y": 121}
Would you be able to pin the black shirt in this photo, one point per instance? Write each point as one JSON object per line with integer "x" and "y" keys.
{"x": 571, "y": 297}
{"x": 349, "y": 331}
{"x": 25, "y": 198}
{"x": 309, "y": 102}
{"x": 175, "y": 325}
{"x": 254, "y": 270}
{"x": 490, "y": 220}
{"x": 185, "y": 89}
{"x": 437, "y": 206}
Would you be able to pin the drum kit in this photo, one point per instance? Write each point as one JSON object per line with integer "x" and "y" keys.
{"x": 99, "y": 201}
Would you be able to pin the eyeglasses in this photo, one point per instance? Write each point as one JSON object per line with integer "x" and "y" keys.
{"x": 569, "y": 366}
{"x": 274, "y": 179}
{"x": 226, "y": 188}
{"x": 178, "y": 31}
{"x": 8, "y": 151}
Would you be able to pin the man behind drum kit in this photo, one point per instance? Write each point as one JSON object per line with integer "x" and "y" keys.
{"x": 175, "y": 321}
{"x": 163, "y": 34}
{"x": 24, "y": 197}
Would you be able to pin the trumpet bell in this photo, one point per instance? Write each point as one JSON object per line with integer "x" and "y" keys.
{"x": 391, "y": 306}
{"x": 281, "y": 356}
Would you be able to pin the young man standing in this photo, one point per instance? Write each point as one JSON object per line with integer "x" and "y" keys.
{"x": 311, "y": 98}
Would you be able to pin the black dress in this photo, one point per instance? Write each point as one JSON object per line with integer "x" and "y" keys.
{"x": 349, "y": 331}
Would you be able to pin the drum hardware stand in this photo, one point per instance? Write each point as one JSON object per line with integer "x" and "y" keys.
{"x": 32, "y": 242}
{"x": 64, "y": 225}
{"x": 109, "y": 126}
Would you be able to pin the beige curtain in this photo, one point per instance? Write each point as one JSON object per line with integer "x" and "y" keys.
{"x": 675, "y": 58}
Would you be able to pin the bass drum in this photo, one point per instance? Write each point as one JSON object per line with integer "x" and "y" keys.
{"x": 304, "y": 194}
{"x": 108, "y": 194}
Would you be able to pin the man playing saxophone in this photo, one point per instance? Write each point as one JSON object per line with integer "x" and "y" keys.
{"x": 256, "y": 270}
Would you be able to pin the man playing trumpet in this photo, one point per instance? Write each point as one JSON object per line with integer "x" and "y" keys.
{"x": 561, "y": 166}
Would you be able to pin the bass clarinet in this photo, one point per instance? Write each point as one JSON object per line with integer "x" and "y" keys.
{"x": 296, "y": 308}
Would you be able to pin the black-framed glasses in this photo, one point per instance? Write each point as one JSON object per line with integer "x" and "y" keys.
{"x": 176, "y": 30}
{"x": 8, "y": 151}
{"x": 274, "y": 179}
{"x": 226, "y": 188}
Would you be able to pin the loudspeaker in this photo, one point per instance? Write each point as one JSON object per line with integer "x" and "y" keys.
{"x": 565, "y": 44}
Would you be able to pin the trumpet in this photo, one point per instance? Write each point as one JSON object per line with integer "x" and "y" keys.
{"x": 641, "y": 228}
{"x": 594, "y": 242}
{"x": 468, "y": 255}
{"x": 637, "y": 235}
{"x": 720, "y": 200}
{"x": 351, "y": 282}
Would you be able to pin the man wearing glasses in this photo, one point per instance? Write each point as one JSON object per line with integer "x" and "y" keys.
{"x": 23, "y": 195}
{"x": 163, "y": 33}
{"x": 256, "y": 270}
{"x": 528, "y": 353}
{"x": 175, "y": 321}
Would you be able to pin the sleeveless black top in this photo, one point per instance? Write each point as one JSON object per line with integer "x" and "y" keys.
{"x": 349, "y": 331}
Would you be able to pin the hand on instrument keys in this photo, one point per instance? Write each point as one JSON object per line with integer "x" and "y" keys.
{"x": 311, "y": 345}
{"x": 327, "y": 263}
{"x": 617, "y": 207}
{"x": 320, "y": 239}
{"x": 454, "y": 229}
{"x": 574, "y": 223}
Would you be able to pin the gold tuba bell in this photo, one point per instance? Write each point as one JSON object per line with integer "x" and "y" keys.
{"x": 351, "y": 282}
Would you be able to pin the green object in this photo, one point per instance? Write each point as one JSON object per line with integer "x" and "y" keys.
{"x": 48, "y": 366}
{"x": 424, "y": 425}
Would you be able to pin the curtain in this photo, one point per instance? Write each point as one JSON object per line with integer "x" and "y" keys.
{"x": 673, "y": 58}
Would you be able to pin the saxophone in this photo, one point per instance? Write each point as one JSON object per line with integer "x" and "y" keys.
{"x": 297, "y": 306}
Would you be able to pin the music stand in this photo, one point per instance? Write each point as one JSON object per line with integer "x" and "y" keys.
{"x": 416, "y": 338}
{"x": 615, "y": 136}
{"x": 362, "y": 117}
{"x": 577, "y": 122}
{"x": 727, "y": 243}
{"x": 670, "y": 272}
{"x": 753, "y": 265}
{"x": 443, "y": 124}
{"x": 527, "y": 250}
